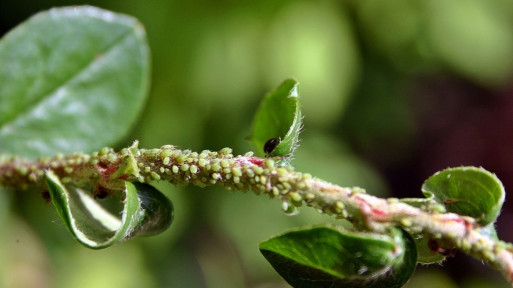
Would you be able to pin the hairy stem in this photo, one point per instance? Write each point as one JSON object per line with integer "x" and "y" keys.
{"x": 106, "y": 170}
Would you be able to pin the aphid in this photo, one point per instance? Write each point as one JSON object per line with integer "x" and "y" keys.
{"x": 270, "y": 145}
{"x": 435, "y": 247}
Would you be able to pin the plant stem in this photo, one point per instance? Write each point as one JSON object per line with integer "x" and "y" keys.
{"x": 108, "y": 169}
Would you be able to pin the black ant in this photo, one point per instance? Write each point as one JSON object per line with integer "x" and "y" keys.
{"x": 270, "y": 145}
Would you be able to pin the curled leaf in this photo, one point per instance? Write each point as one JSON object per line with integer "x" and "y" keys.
{"x": 157, "y": 211}
{"x": 277, "y": 123}
{"x": 469, "y": 191}
{"x": 145, "y": 211}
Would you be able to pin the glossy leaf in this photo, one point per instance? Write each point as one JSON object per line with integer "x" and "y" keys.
{"x": 469, "y": 191}
{"x": 157, "y": 211}
{"x": 73, "y": 79}
{"x": 145, "y": 211}
{"x": 326, "y": 257}
{"x": 279, "y": 117}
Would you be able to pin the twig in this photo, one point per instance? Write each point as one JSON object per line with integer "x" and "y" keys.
{"x": 108, "y": 169}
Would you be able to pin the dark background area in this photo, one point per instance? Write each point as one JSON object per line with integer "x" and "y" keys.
{"x": 392, "y": 91}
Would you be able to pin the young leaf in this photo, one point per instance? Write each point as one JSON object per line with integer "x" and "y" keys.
{"x": 326, "y": 257}
{"x": 467, "y": 191}
{"x": 145, "y": 212}
{"x": 73, "y": 79}
{"x": 278, "y": 118}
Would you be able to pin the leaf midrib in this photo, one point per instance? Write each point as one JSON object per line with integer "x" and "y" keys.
{"x": 38, "y": 100}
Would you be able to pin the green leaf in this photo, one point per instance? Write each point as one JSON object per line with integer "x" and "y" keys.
{"x": 73, "y": 79}
{"x": 469, "y": 191}
{"x": 278, "y": 117}
{"x": 326, "y": 257}
{"x": 145, "y": 211}
{"x": 157, "y": 211}
{"x": 425, "y": 254}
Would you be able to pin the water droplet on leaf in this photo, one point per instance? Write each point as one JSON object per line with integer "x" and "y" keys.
{"x": 289, "y": 209}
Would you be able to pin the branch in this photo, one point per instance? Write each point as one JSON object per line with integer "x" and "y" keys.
{"x": 106, "y": 170}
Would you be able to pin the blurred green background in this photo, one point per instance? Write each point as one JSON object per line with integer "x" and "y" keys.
{"x": 392, "y": 91}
